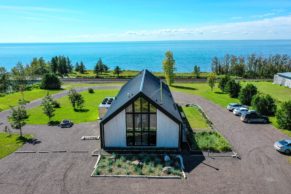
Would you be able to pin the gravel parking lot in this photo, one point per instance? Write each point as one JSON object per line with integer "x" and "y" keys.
{"x": 260, "y": 170}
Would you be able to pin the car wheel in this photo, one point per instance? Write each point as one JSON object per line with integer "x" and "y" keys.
{"x": 265, "y": 121}
{"x": 287, "y": 151}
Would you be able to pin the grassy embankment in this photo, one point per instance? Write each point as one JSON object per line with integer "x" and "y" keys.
{"x": 280, "y": 93}
{"x": 89, "y": 112}
{"x": 10, "y": 143}
{"x": 203, "y": 136}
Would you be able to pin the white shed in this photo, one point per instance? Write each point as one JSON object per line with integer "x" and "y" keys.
{"x": 142, "y": 116}
{"x": 283, "y": 79}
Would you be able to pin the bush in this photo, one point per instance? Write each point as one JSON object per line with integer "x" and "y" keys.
{"x": 56, "y": 104}
{"x": 222, "y": 83}
{"x": 283, "y": 115}
{"x": 50, "y": 82}
{"x": 247, "y": 93}
{"x": 76, "y": 99}
{"x": 264, "y": 104}
{"x": 90, "y": 90}
{"x": 233, "y": 88}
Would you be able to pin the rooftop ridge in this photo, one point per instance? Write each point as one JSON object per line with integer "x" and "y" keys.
{"x": 142, "y": 80}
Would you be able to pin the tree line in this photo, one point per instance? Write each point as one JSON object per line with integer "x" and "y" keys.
{"x": 252, "y": 66}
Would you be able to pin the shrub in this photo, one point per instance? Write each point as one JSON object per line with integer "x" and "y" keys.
{"x": 76, "y": 99}
{"x": 233, "y": 88}
{"x": 283, "y": 115}
{"x": 264, "y": 104}
{"x": 56, "y": 104}
{"x": 247, "y": 93}
{"x": 50, "y": 82}
{"x": 222, "y": 83}
{"x": 90, "y": 90}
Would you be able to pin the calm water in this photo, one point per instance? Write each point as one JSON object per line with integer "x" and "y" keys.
{"x": 140, "y": 55}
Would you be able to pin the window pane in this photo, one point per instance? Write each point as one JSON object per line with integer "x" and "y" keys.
{"x": 129, "y": 108}
{"x": 129, "y": 122}
{"x": 129, "y": 139}
{"x": 144, "y": 105}
{"x": 137, "y": 122}
{"x": 137, "y": 139}
{"x": 145, "y": 140}
{"x": 153, "y": 122}
{"x": 152, "y": 138}
{"x": 153, "y": 109}
{"x": 145, "y": 122}
{"x": 137, "y": 105}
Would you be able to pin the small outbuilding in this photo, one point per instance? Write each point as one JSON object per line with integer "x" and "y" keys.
{"x": 142, "y": 116}
{"x": 283, "y": 79}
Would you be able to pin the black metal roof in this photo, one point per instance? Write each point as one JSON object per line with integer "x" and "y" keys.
{"x": 151, "y": 87}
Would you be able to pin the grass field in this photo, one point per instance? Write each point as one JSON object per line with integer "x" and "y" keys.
{"x": 12, "y": 99}
{"x": 66, "y": 111}
{"x": 196, "y": 119}
{"x": 9, "y": 144}
{"x": 69, "y": 85}
{"x": 202, "y": 89}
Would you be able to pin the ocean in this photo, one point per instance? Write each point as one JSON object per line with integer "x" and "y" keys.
{"x": 141, "y": 55}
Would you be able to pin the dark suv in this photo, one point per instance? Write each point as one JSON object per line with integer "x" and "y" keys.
{"x": 254, "y": 117}
{"x": 66, "y": 124}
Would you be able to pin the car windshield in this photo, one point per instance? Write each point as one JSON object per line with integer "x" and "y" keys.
{"x": 65, "y": 121}
{"x": 283, "y": 142}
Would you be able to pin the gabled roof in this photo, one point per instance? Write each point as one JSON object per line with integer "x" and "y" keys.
{"x": 150, "y": 86}
{"x": 286, "y": 75}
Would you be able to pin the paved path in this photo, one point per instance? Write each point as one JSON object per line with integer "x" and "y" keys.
{"x": 261, "y": 169}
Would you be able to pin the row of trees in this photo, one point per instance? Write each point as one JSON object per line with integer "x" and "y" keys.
{"x": 252, "y": 66}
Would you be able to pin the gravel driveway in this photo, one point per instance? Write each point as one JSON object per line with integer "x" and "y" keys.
{"x": 261, "y": 169}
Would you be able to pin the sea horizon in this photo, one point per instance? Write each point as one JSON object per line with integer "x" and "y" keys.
{"x": 138, "y": 55}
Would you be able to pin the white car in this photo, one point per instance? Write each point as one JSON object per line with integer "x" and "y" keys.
{"x": 240, "y": 111}
{"x": 232, "y": 106}
{"x": 283, "y": 146}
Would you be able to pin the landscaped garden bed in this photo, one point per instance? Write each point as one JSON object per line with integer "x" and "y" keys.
{"x": 138, "y": 165}
{"x": 202, "y": 136}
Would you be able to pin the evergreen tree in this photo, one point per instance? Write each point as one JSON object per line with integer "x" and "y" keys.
{"x": 197, "y": 71}
{"x": 117, "y": 71}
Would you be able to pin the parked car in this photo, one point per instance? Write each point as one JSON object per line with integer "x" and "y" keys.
{"x": 232, "y": 106}
{"x": 253, "y": 117}
{"x": 283, "y": 145}
{"x": 239, "y": 111}
{"x": 66, "y": 124}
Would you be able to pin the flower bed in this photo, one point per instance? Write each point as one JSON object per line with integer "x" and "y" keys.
{"x": 138, "y": 165}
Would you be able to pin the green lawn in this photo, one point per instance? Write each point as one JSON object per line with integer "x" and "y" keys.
{"x": 202, "y": 89}
{"x": 9, "y": 144}
{"x": 278, "y": 92}
{"x": 12, "y": 99}
{"x": 66, "y": 111}
{"x": 195, "y": 118}
{"x": 69, "y": 85}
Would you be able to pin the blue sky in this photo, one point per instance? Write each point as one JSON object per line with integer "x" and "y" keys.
{"x": 143, "y": 20}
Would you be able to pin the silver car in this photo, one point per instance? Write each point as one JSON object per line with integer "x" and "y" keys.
{"x": 232, "y": 106}
{"x": 283, "y": 146}
{"x": 239, "y": 111}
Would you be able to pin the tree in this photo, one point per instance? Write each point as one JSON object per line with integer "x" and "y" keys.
{"x": 232, "y": 88}
{"x": 50, "y": 82}
{"x": 247, "y": 93}
{"x": 37, "y": 67}
{"x": 82, "y": 68}
{"x": 19, "y": 77}
{"x": 4, "y": 80}
{"x": 264, "y": 104}
{"x": 197, "y": 71}
{"x": 18, "y": 117}
{"x": 222, "y": 82}
{"x": 283, "y": 115}
{"x": 211, "y": 80}
{"x": 48, "y": 106}
{"x": 98, "y": 67}
{"x": 117, "y": 71}
{"x": 169, "y": 67}
{"x": 76, "y": 99}
{"x": 77, "y": 67}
